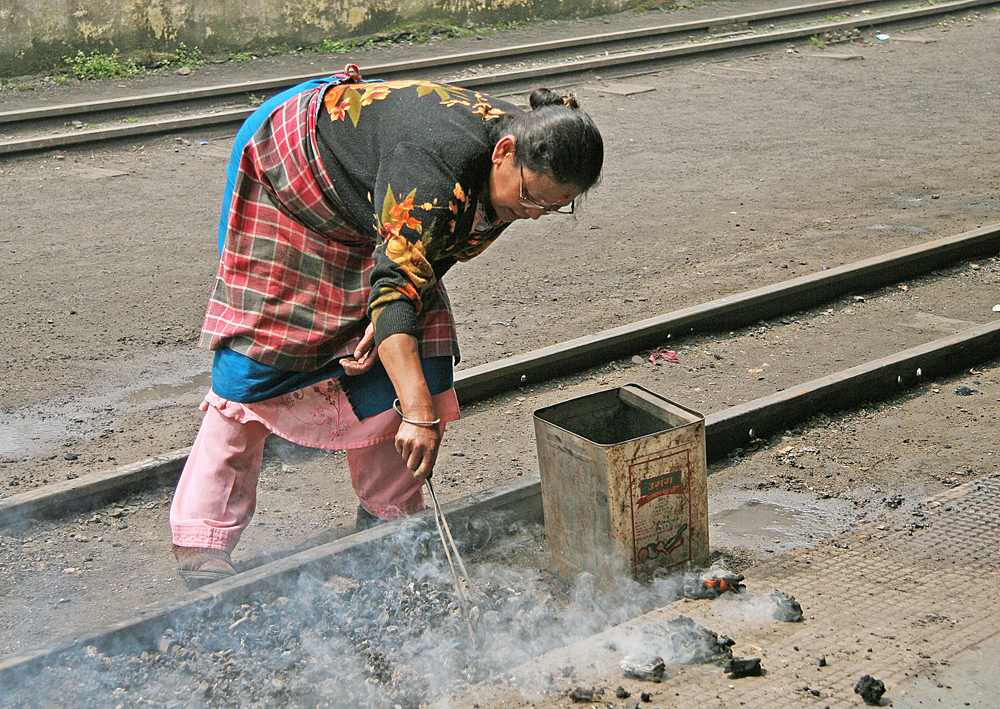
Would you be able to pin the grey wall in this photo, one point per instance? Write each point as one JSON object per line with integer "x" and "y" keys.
{"x": 35, "y": 34}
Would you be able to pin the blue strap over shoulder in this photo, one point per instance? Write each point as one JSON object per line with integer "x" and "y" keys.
{"x": 254, "y": 122}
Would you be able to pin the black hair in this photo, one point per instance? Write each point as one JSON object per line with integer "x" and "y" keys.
{"x": 558, "y": 139}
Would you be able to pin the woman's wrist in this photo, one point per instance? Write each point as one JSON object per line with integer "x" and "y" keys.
{"x": 431, "y": 420}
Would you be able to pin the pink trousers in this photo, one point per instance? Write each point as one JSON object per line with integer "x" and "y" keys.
{"x": 216, "y": 495}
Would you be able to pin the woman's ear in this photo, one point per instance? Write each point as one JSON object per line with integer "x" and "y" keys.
{"x": 504, "y": 147}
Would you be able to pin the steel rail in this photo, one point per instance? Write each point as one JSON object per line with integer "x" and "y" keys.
{"x": 724, "y": 313}
{"x": 521, "y": 499}
{"x": 133, "y": 130}
{"x": 437, "y": 63}
{"x": 882, "y": 378}
{"x": 581, "y": 353}
{"x": 634, "y": 59}
{"x": 562, "y": 71}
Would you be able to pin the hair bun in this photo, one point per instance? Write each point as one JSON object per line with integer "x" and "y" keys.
{"x": 548, "y": 97}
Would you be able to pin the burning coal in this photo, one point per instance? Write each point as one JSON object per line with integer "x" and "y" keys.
{"x": 386, "y": 630}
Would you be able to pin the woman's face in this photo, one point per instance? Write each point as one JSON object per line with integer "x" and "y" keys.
{"x": 520, "y": 193}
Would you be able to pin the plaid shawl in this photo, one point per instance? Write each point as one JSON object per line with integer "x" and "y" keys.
{"x": 292, "y": 287}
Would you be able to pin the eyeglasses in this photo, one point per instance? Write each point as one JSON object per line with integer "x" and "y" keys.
{"x": 525, "y": 202}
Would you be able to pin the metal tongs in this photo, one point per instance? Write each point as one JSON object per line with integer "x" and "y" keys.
{"x": 453, "y": 555}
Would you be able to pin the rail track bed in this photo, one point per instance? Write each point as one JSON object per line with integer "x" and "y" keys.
{"x": 504, "y": 70}
{"x": 927, "y": 363}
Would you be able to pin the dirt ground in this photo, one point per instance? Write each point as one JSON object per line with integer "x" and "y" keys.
{"x": 723, "y": 176}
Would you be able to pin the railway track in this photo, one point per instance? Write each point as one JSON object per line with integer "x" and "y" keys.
{"x": 556, "y": 62}
{"x": 68, "y": 513}
{"x": 727, "y": 430}
{"x": 734, "y": 429}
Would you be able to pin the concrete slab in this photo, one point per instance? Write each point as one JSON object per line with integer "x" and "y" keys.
{"x": 969, "y": 680}
{"x": 837, "y": 57}
{"x": 95, "y": 173}
{"x": 908, "y": 603}
{"x": 929, "y": 322}
{"x": 621, "y": 89}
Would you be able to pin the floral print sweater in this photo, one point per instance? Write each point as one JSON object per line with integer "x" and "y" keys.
{"x": 410, "y": 161}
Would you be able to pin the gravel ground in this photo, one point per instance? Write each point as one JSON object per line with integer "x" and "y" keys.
{"x": 728, "y": 175}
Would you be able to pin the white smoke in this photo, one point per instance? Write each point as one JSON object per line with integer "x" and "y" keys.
{"x": 383, "y": 629}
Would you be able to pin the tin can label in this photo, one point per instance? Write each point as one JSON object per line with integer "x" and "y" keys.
{"x": 661, "y": 509}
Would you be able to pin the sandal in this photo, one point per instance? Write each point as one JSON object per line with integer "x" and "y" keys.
{"x": 199, "y": 567}
{"x": 366, "y": 520}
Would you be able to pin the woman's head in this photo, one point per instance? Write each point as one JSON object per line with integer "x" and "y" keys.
{"x": 544, "y": 158}
{"x": 556, "y": 138}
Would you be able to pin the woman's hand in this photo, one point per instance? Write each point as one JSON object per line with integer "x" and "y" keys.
{"x": 418, "y": 445}
{"x": 365, "y": 354}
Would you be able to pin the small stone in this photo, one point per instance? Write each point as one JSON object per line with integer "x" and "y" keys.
{"x": 622, "y": 693}
{"x": 184, "y": 71}
{"x": 71, "y": 456}
{"x": 870, "y": 689}
{"x": 648, "y": 668}
{"x": 748, "y": 667}
{"x": 582, "y": 694}
{"x": 787, "y": 608}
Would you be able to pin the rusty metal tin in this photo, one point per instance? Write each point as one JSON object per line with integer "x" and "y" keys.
{"x": 624, "y": 484}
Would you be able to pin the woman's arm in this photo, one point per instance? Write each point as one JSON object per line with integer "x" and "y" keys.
{"x": 417, "y": 444}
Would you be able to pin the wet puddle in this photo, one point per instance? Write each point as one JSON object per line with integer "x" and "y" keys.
{"x": 777, "y": 525}
{"x": 28, "y": 431}
{"x": 195, "y": 386}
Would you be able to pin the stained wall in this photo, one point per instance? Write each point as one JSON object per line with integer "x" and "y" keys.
{"x": 35, "y": 34}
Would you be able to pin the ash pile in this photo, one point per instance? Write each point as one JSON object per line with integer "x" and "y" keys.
{"x": 386, "y": 630}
